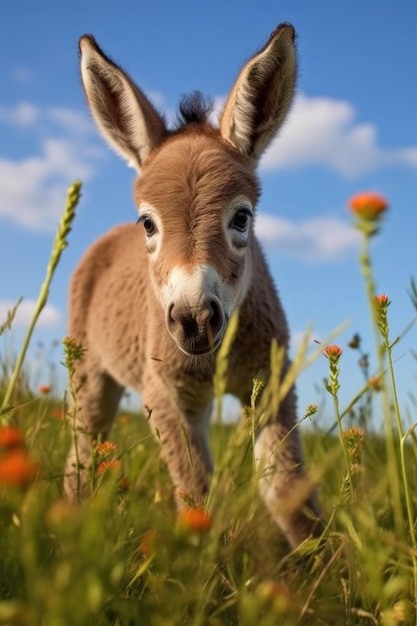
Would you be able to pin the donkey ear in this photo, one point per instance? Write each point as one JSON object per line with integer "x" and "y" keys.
{"x": 262, "y": 95}
{"x": 124, "y": 115}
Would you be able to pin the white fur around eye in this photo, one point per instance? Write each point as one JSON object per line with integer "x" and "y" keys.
{"x": 238, "y": 217}
{"x": 148, "y": 215}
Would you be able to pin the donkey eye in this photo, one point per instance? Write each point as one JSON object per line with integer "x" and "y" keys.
{"x": 240, "y": 220}
{"x": 148, "y": 225}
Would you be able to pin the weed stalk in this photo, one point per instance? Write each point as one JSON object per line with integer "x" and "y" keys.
{"x": 368, "y": 210}
{"x": 59, "y": 245}
{"x": 381, "y": 304}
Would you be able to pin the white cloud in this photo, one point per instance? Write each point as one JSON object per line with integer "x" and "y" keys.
{"x": 26, "y": 114}
{"x": 319, "y": 238}
{"x": 33, "y": 189}
{"x": 320, "y": 132}
{"x": 297, "y": 338}
{"x": 22, "y": 75}
{"x": 157, "y": 98}
{"x": 71, "y": 120}
{"x": 23, "y": 114}
{"x": 218, "y": 106}
{"x": 324, "y": 132}
{"x": 49, "y": 318}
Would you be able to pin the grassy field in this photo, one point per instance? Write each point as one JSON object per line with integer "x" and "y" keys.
{"x": 125, "y": 558}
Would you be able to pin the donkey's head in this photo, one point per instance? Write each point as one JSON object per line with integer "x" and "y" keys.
{"x": 197, "y": 189}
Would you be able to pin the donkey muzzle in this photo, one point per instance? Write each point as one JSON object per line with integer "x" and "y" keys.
{"x": 196, "y": 330}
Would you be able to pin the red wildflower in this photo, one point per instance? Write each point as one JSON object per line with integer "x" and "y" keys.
{"x": 11, "y": 437}
{"x": 45, "y": 389}
{"x": 198, "y": 519}
{"x": 17, "y": 469}
{"x": 368, "y": 205}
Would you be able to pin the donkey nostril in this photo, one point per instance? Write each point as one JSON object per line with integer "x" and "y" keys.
{"x": 170, "y": 313}
{"x": 180, "y": 316}
{"x": 216, "y": 318}
{"x": 215, "y": 312}
{"x": 207, "y": 320}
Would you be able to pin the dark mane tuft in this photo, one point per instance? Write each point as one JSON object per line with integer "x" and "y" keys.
{"x": 194, "y": 108}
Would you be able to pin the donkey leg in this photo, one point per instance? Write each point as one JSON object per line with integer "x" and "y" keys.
{"x": 283, "y": 484}
{"x": 183, "y": 434}
{"x": 95, "y": 408}
{"x": 186, "y": 452}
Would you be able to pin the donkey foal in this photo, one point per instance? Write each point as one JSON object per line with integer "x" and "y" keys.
{"x": 150, "y": 302}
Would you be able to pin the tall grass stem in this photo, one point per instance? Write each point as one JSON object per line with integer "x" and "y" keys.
{"x": 59, "y": 244}
{"x": 392, "y": 456}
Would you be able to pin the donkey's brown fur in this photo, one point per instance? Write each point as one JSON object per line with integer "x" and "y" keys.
{"x": 150, "y": 302}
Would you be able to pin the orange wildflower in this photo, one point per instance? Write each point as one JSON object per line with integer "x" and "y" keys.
{"x": 332, "y": 352}
{"x": 11, "y": 437}
{"x": 368, "y": 205}
{"x": 125, "y": 418}
{"x": 106, "y": 447}
{"x": 58, "y": 413}
{"x": 375, "y": 383}
{"x": 187, "y": 497}
{"x": 311, "y": 410}
{"x": 381, "y": 308}
{"x": 197, "y": 520}
{"x": 17, "y": 469}
{"x": 147, "y": 543}
{"x": 381, "y": 300}
{"x": 124, "y": 484}
{"x": 45, "y": 389}
{"x": 353, "y": 436}
{"x": 111, "y": 464}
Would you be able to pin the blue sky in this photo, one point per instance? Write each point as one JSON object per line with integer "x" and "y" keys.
{"x": 352, "y": 128}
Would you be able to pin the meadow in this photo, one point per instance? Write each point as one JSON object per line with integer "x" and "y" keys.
{"x": 124, "y": 558}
